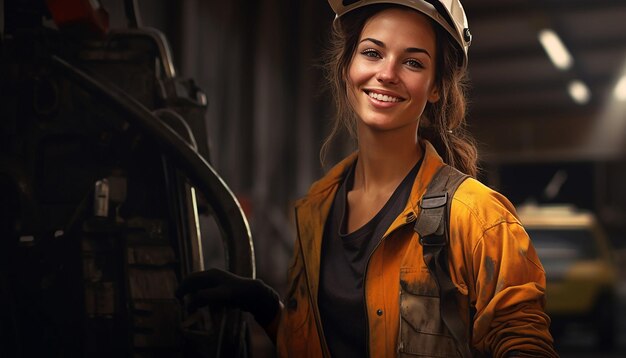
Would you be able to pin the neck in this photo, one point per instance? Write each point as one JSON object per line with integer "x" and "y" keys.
{"x": 385, "y": 158}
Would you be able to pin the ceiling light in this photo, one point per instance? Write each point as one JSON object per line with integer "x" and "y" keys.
{"x": 620, "y": 89}
{"x": 555, "y": 49}
{"x": 579, "y": 91}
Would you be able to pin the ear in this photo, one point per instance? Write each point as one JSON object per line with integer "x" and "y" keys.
{"x": 433, "y": 96}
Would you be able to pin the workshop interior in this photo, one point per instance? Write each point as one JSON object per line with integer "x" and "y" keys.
{"x": 141, "y": 141}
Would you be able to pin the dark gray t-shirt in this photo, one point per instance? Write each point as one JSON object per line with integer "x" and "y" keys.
{"x": 342, "y": 270}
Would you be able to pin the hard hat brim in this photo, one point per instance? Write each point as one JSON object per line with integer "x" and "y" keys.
{"x": 448, "y": 14}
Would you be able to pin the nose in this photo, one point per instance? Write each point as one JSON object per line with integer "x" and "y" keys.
{"x": 387, "y": 72}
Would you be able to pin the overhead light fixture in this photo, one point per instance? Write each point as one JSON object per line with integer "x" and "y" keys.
{"x": 620, "y": 89}
{"x": 579, "y": 91}
{"x": 556, "y": 50}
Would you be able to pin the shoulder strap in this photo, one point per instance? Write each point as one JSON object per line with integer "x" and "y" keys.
{"x": 432, "y": 227}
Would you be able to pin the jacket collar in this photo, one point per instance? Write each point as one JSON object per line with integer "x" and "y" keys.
{"x": 313, "y": 209}
{"x": 430, "y": 165}
{"x": 331, "y": 181}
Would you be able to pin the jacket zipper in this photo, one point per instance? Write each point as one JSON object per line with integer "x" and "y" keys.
{"x": 411, "y": 217}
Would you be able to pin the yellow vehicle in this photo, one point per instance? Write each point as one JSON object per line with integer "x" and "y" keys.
{"x": 580, "y": 272}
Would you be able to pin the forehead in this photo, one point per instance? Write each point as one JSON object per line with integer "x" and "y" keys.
{"x": 400, "y": 24}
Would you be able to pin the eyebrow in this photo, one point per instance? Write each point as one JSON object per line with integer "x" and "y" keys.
{"x": 408, "y": 49}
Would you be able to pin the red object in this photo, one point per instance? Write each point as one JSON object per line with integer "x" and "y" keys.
{"x": 80, "y": 15}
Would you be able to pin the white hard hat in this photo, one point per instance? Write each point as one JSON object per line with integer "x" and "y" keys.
{"x": 447, "y": 13}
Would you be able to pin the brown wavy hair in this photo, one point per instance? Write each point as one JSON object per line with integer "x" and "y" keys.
{"x": 443, "y": 122}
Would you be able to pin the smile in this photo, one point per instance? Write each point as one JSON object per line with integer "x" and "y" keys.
{"x": 383, "y": 97}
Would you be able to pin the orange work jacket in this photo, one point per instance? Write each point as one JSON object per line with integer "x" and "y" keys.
{"x": 491, "y": 261}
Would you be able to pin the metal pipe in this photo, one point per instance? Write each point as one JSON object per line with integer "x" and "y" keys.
{"x": 234, "y": 225}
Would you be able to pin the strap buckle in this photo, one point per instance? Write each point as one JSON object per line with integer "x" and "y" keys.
{"x": 431, "y": 223}
{"x": 434, "y": 201}
{"x": 433, "y": 240}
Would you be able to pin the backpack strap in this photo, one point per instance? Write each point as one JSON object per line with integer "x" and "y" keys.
{"x": 432, "y": 227}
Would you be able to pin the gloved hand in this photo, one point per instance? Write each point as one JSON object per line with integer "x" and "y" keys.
{"x": 223, "y": 288}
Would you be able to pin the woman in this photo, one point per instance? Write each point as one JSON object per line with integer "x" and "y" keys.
{"x": 358, "y": 281}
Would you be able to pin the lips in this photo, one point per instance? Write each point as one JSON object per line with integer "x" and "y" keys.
{"x": 383, "y": 97}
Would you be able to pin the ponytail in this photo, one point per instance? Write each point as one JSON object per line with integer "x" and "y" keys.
{"x": 443, "y": 122}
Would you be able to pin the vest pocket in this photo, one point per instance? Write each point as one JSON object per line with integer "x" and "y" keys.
{"x": 422, "y": 332}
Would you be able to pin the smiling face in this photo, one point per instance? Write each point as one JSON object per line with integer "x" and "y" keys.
{"x": 392, "y": 73}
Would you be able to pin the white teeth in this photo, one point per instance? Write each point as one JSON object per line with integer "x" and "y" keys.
{"x": 383, "y": 97}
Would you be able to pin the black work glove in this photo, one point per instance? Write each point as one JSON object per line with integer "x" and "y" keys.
{"x": 223, "y": 288}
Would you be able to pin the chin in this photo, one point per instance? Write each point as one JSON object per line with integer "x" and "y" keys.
{"x": 387, "y": 124}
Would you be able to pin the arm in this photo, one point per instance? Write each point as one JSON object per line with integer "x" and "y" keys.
{"x": 493, "y": 257}
{"x": 223, "y": 288}
{"x": 510, "y": 294}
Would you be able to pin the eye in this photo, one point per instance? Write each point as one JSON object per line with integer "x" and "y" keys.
{"x": 414, "y": 63}
{"x": 370, "y": 52}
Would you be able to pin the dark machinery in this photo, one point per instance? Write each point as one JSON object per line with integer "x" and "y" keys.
{"x": 104, "y": 173}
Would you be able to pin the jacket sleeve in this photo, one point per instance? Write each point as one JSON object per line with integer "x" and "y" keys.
{"x": 508, "y": 288}
{"x": 510, "y": 295}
